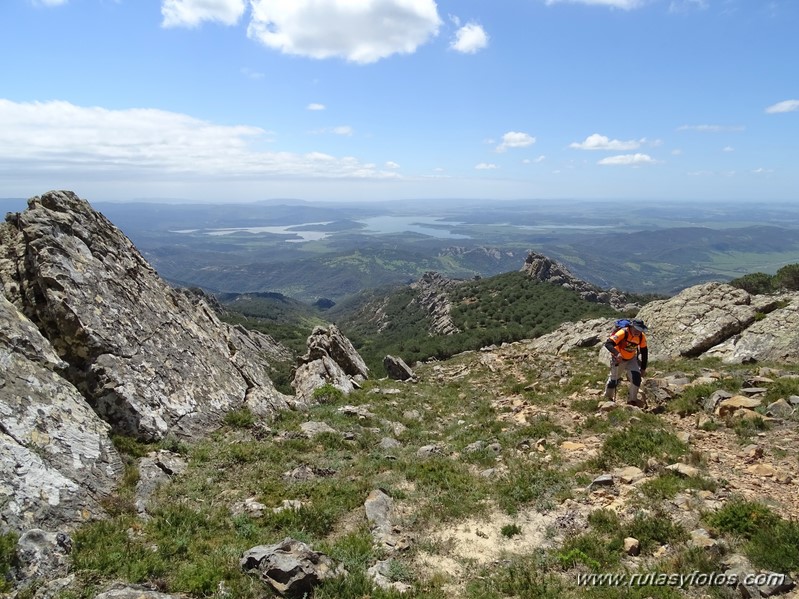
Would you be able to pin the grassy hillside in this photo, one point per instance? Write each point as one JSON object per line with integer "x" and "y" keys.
{"x": 503, "y": 507}
{"x": 384, "y": 321}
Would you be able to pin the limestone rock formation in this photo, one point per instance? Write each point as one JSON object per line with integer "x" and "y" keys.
{"x": 331, "y": 359}
{"x": 704, "y": 316}
{"x": 569, "y": 335}
{"x": 432, "y": 290}
{"x": 713, "y": 319}
{"x": 775, "y": 336}
{"x": 56, "y": 459}
{"x": 397, "y": 369}
{"x": 545, "y": 269}
{"x": 149, "y": 360}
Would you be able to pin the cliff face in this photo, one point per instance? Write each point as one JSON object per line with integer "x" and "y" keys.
{"x": 148, "y": 360}
{"x": 92, "y": 342}
{"x": 56, "y": 459}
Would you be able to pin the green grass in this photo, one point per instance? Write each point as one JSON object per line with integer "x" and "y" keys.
{"x": 668, "y": 484}
{"x": 8, "y": 546}
{"x": 642, "y": 439}
{"x": 770, "y": 542}
{"x": 193, "y": 541}
{"x": 526, "y": 484}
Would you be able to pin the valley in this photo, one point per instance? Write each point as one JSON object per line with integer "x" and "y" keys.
{"x": 309, "y": 251}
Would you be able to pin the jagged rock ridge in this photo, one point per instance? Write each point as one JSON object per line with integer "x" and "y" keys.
{"x": 432, "y": 295}
{"x": 148, "y": 359}
{"x": 545, "y": 269}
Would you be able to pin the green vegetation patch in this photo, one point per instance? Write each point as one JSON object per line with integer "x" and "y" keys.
{"x": 643, "y": 438}
{"x": 770, "y": 542}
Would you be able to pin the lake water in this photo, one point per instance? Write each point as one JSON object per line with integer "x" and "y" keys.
{"x": 430, "y": 226}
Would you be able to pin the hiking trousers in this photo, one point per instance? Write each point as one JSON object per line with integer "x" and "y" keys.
{"x": 633, "y": 370}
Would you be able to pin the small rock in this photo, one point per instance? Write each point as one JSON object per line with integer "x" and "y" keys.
{"x": 736, "y": 402}
{"x": 389, "y": 443}
{"x": 312, "y": 429}
{"x": 630, "y": 475}
{"x": 684, "y": 470}
{"x": 762, "y": 470}
{"x": 779, "y": 409}
{"x": 427, "y": 451}
{"x": 571, "y": 446}
{"x": 632, "y": 546}
{"x": 701, "y": 539}
{"x": 603, "y": 480}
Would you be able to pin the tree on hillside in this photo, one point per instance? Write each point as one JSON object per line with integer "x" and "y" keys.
{"x": 787, "y": 277}
{"x": 754, "y": 283}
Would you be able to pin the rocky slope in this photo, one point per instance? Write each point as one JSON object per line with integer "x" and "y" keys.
{"x": 94, "y": 342}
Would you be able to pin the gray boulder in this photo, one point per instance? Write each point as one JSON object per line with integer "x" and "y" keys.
{"x": 774, "y": 337}
{"x": 700, "y": 318}
{"x": 397, "y": 369}
{"x": 570, "y": 335}
{"x": 331, "y": 359}
{"x": 290, "y": 567}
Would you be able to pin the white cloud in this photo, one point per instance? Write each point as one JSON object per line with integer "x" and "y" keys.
{"x": 601, "y": 142}
{"x": 763, "y": 171}
{"x": 627, "y": 160}
{"x": 515, "y": 139}
{"x": 470, "y": 39}
{"x": 316, "y": 106}
{"x": 345, "y": 130}
{"x": 191, "y": 13}
{"x": 728, "y": 149}
{"x": 536, "y": 160}
{"x": 391, "y": 164}
{"x": 360, "y": 31}
{"x": 623, "y": 4}
{"x": 48, "y": 2}
{"x": 58, "y": 139}
{"x": 710, "y": 128}
{"x": 785, "y": 106}
{"x": 485, "y": 166}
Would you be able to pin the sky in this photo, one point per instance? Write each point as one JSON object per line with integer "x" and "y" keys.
{"x": 374, "y": 100}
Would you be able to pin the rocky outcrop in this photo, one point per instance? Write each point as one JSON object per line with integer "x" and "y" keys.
{"x": 569, "y": 336}
{"x": 703, "y": 317}
{"x": 331, "y": 359}
{"x": 432, "y": 294}
{"x": 397, "y": 369}
{"x": 56, "y": 460}
{"x": 149, "y": 359}
{"x": 712, "y": 320}
{"x": 544, "y": 269}
{"x": 773, "y": 337}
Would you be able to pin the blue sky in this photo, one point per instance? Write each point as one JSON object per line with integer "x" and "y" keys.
{"x": 222, "y": 100}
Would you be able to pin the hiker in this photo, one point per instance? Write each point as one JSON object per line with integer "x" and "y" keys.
{"x": 628, "y": 353}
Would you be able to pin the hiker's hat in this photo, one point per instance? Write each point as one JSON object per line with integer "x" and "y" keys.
{"x": 639, "y": 325}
